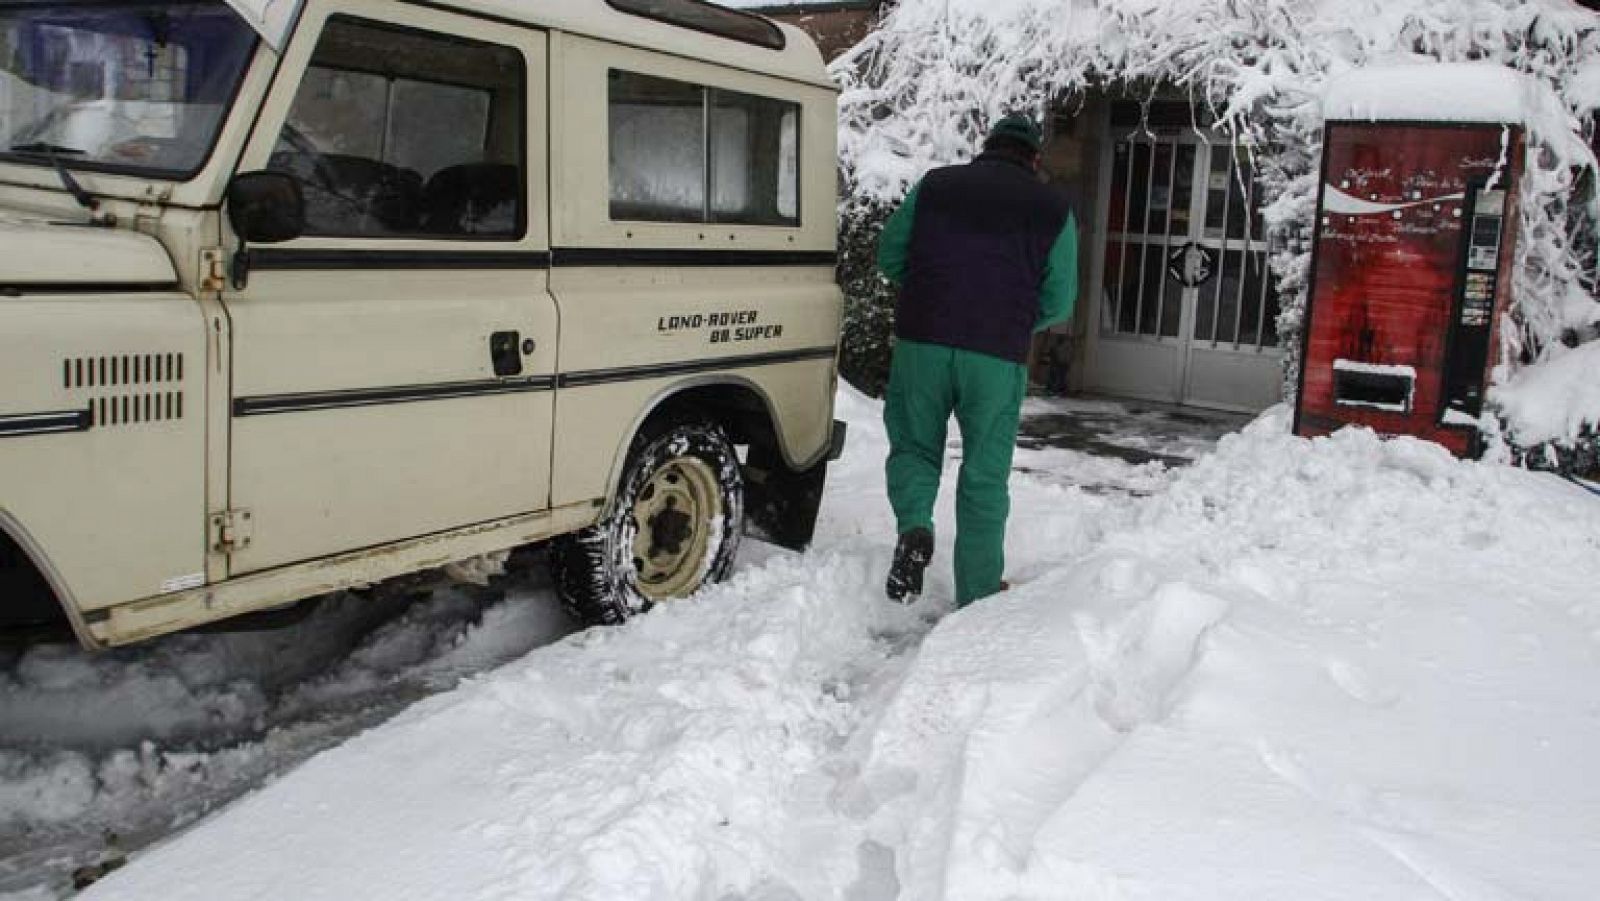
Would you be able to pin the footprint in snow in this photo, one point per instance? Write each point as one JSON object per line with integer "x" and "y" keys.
{"x": 1136, "y": 665}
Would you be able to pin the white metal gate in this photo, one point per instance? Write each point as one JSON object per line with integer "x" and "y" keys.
{"x": 1186, "y": 307}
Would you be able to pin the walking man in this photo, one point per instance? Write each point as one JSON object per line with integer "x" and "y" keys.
{"x": 984, "y": 255}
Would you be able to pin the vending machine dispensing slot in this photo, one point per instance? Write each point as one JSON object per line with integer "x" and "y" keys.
{"x": 1377, "y": 387}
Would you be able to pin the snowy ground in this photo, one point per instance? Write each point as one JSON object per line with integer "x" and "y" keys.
{"x": 101, "y": 753}
{"x": 1102, "y": 445}
{"x": 1346, "y": 668}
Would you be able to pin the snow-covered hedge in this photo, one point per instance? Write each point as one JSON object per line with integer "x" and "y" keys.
{"x": 868, "y": 304}
{"x": 921, "y": 89}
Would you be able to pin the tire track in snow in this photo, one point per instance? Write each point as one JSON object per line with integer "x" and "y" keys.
{"x": 104, "y": 753}
{"x": 775, "y": 680}
{"x": 993, "y": 733}
{"x": 688, "y": 753}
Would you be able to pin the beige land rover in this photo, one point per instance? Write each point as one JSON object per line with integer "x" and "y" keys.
{"x": 298, "y": 295}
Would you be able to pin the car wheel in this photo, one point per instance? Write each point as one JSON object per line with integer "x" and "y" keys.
{"x": 672, "y": 528}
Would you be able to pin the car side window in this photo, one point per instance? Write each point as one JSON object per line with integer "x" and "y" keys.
{"x": 682, "y": 152}
{"x": 398, "y": 133}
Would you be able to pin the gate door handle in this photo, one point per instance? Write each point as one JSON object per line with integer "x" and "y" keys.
{"x": 505, "y": 352}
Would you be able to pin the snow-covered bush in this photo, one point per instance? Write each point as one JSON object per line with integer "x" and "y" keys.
{"x": 1579, "y": 455}
{"x": 920, "y": 90}
{"x": 1552, "y": 411}
{"x": 865, "y": 347}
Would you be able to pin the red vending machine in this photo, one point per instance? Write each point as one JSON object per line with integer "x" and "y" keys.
{"x": 1411, "y": 271}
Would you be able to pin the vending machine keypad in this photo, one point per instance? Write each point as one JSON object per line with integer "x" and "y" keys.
{"x": 1469, "y": 332}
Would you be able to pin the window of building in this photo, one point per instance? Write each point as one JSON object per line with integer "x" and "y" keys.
{"x": 400, "y": 133}
{"x": 685, "y": 153}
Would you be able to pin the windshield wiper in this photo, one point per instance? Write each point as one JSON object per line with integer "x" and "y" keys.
{"x": 53, "y": 153}
{"x": 44, "y": 148}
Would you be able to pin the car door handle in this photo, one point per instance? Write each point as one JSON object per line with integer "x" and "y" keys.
{"x": 505, "y": 353}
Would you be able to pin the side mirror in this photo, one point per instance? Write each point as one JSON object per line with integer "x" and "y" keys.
{"x": 266, "y": 207}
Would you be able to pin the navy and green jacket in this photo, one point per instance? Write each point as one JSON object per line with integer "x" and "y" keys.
{"x": 984, "y": 256}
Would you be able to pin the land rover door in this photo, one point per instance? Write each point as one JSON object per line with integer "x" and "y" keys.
{"x": 393, "y": 366}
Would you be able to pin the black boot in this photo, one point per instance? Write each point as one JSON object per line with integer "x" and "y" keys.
{"x": 911, "y": 556}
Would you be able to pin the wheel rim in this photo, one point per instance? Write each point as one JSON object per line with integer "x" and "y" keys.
{"x": 674, "y": 517}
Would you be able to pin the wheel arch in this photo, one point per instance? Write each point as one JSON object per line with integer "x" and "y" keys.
{"x": 737, "y": 402}
{"x": 783, "y": 494}
{"x": 31, "y": 553}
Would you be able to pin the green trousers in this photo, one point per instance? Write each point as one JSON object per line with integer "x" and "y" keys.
{"x": 927, "y": 382}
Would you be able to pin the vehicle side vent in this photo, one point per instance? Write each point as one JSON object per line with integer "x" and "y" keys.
{"x": 122, "y": 369}
{"x": 158, "y": 376}
{"x": 130, "y": 409}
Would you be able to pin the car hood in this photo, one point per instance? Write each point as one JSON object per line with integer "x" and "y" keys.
{"x": 44, "y": 253}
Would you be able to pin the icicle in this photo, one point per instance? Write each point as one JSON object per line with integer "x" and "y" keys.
{"x": 1505, "y": 159}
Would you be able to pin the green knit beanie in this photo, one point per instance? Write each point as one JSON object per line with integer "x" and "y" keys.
{"x": 1019, "y": 127}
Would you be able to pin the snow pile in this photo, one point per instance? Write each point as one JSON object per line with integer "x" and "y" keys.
{"x": 1555, "y": 401}
{"x": 1346, "y": 668}
{"x": 1331, "y": 669}
{"x": 920, "y": 91}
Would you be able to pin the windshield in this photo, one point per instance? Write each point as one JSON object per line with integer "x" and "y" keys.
{"x": 129, "y": 87}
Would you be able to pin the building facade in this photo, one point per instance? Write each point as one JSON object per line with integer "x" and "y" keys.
{"x": 1176, "y": 303}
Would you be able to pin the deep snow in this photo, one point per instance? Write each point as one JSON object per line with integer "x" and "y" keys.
{"x": 1345, "y": 668}
{"x": 1340, "y": 668}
